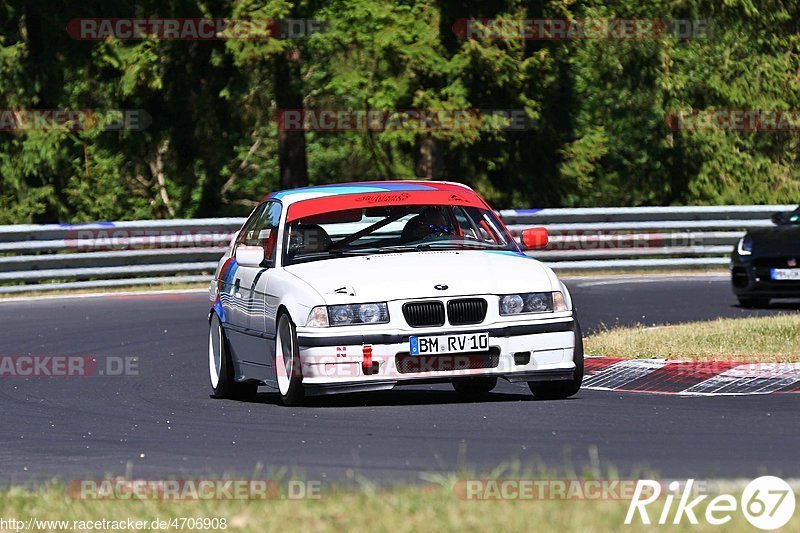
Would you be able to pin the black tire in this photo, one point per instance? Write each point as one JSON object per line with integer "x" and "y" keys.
{"x": 557, "y": 390}
{"x": 752, "y": 302}
{"x": 288, "y": 371}
{"x": 220, "y": 366}
{"x": 474, "y": 387}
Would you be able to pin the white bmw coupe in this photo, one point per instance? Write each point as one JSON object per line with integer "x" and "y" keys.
{"x": 366, "y": 286}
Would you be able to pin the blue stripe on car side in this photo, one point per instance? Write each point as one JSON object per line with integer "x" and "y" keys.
{"x": 220, "y": 310}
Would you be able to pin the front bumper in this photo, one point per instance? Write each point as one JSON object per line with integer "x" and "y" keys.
{"x": 753, "y": 278}
{"x": 371, "y": 360}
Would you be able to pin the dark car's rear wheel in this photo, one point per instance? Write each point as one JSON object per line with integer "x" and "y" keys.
{"x": 220, "y": 366}
{"x": 555, "y": 390}
{"x": 751, "y": 302}
{"x": 474, "y": 387}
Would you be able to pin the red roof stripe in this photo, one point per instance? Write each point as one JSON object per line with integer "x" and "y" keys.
{"x": 327, "y": 204}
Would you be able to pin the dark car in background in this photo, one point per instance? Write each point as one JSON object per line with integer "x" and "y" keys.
{"x": 764, "y": 263}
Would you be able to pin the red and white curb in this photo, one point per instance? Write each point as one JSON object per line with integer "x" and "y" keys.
{"x": 690, "y": 378}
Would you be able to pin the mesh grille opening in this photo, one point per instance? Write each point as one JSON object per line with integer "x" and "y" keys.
{"x": 416, "y": 364}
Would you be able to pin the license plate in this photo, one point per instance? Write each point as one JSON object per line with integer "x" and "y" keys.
{"x": 785, "y": 273}
{"x": 470, "y": 342}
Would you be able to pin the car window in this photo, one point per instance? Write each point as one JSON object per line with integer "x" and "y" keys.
{"x": 249, "y": 223}
{"x": 469, "y": 228}
{"x": 262, "y": 229}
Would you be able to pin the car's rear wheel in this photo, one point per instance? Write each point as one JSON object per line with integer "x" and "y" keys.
{"x": 555, "y": 390}
{"x": 473, "y": 387}
{"x": 751, "y": 302}
{"x": 220, "y": 366}
{"x": 287, "y": 362}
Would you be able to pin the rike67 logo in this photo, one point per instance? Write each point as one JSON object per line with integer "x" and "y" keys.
{"x": 767, "y": 502}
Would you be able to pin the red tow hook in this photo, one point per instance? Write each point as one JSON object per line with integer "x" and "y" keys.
{"x": 366, "y": 362}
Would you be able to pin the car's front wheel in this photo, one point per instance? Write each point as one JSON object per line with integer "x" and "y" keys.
{"x": 220, "y": 366}
{"x": 555, "y": 390}
{"x": 287, "y": 362}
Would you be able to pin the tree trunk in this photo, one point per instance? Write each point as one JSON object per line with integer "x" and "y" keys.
{"x": 292, "y": 162}
{"x": 429, "y": 159}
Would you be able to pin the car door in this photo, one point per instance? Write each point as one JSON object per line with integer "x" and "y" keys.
{"x": 265, "y": 300}
{"x": 238, "y": 301}
{"x": 251, "y": 343}
{"x": 231, "y": 296}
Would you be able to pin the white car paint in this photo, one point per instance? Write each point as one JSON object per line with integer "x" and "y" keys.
{"x": 250, "y": 299}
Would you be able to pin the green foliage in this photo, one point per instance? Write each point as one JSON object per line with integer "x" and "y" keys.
{"x": 748, "y": 61}
{"x": 595, "y": 135}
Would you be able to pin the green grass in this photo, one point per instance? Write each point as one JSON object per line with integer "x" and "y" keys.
{"x": 399, "y": 509}
{"x": 754, "y": 339}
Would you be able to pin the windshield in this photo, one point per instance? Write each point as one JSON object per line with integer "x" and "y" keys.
{"x": 405, "y": 229}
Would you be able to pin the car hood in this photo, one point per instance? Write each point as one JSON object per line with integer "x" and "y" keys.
{"x": 780, "y": 241}
{"x": 397, "y": 276}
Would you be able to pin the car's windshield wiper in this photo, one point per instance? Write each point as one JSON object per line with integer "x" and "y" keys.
{"x": 456, "y": 245}
{"x": 400, "y": 248}
{"x": 373, "y": 250}
{"x": 339, "y": 252}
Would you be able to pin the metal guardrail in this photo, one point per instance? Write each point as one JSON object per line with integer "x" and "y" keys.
{"x": 57, "y": 256}
{"x": 625, "y": 238}
{"x": 111, "y": 254}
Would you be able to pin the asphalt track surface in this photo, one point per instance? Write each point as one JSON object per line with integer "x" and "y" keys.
{"x": 162, "y": 422}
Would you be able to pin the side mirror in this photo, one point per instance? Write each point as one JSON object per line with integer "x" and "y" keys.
{"x": 535, "y": 238}
{"x": 779, "y": 219}
{"x": 249, "y": 256}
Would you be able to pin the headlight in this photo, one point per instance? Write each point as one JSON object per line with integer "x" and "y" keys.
{"x": 538, "y": 302}
{"x": 559, "y": 302}
{"x": 511, "y": 304}
{"x": 318, "y": 317}
{"x": 372, "y": 313}
{"x": 532, "y": 302}
{"x": 745, "y": 246}
{"x": 348, "y": 315}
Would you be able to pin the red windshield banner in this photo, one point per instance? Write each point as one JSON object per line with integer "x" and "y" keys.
{"x": 327, "y": 204}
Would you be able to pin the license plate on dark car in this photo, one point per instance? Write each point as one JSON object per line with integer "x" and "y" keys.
{"x": 785, "y": 274}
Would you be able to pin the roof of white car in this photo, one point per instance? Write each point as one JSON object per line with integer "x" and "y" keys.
{"x": 290, "y": 196}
